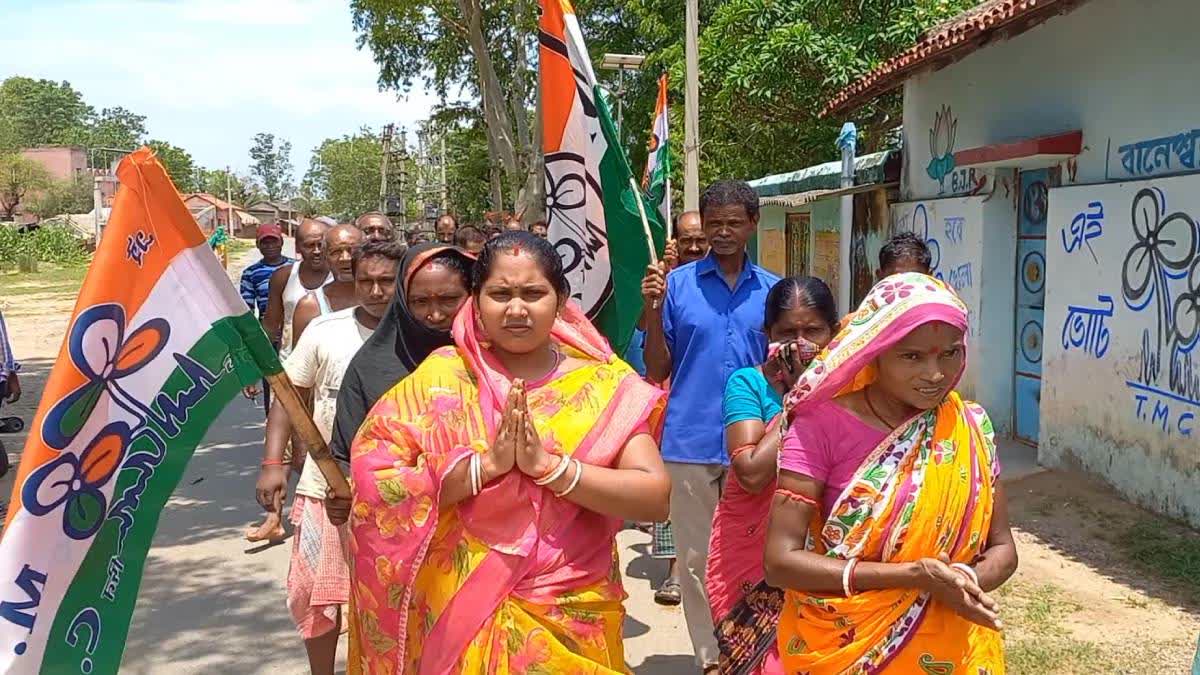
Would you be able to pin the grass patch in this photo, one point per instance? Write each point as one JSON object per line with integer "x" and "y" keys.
{"x": 48, "y": 279}
{"x": 1035, "y": 641}
{"x": 1170, "y": 555}
{"x": 235, "y": 246}
{"x": 1055, "y": 655}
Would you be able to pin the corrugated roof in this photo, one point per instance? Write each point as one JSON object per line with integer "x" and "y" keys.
{"x": 868, "y": 169}
{"x": 803, "y": 198}
{"x": 950, "y": 41}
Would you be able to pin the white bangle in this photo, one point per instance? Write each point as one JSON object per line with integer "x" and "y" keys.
{"x": 559, "y": 470}
{"x": 846, "y": 572}
{"x": 476, "y": 471}
{"x": 967, "y": 570}
{"x": 574, "y": 481}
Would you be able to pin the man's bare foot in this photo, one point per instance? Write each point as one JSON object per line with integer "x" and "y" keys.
{"x": 271, "y": 530}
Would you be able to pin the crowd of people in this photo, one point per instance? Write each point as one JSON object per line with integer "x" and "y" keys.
{"x": 825, "y": 499}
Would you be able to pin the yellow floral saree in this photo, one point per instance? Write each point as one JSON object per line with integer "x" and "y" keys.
{"x": 514, "y": 580}
{"x": 926, "y": 489}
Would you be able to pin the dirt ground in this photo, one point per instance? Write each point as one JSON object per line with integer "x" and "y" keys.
{"x": 1103, "y": 586}
{"x": 1095, "y": 593}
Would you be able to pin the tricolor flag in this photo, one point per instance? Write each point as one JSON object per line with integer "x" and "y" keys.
{"x": 656, "y": 182}
{"x": 158, "y": 344}
{"x": 591, "y": 197}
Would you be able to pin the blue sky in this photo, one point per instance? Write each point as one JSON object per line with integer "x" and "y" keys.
{"x": 209, "y": 74}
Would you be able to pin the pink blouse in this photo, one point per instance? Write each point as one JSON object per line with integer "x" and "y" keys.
{"x": 828, "y": 443}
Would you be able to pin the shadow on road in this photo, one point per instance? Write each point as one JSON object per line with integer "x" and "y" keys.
{"x": 667, "y": 665}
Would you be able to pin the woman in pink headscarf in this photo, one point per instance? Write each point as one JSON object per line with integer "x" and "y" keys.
{"x": 490, "y": 485}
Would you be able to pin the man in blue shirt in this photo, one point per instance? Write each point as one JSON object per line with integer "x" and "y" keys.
{"x": 708, "y": 323}
{"x": 256, "y": 278}
{"x": 256, "y": 283}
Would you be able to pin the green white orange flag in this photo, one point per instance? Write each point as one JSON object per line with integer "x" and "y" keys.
{"x": 591, "y": 197}
{"x": 158, "y": 344}
{"x": 656, "y": 182}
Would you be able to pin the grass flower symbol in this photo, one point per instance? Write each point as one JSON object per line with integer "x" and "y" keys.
{"x": 101, "y": 351}
{"x": 1164, "y": 250}
{"x": 76, "y": 482}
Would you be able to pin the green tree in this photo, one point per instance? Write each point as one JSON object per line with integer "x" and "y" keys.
{"x": 19, "y": 178}
{"x": 60, "y": 197}
{"x": 41, "y": 112}
{"x": 272, "y": 165}
{"x": 117, "y": 128}
{"x": 468, "y": 166}
{"x": 767, "y": 68}
{"x": 467, "y": 44}
{"x": 344, "y": 174}
{"x": 179, "y": 165}
{"x": 224, "y": 184}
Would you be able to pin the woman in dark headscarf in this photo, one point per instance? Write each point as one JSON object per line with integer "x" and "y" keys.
{"x": 434, "y": 282}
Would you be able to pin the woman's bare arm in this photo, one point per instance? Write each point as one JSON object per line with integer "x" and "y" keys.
{"x": 789, "y": 565}
{"x": 753, "y": 469}
{"x": 637, "y": 489}
{"x": 999, "y": 560}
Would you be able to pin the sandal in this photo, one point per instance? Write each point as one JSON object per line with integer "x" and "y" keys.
{"x": 668, "y": 593}
{"x": 11, "y": 425}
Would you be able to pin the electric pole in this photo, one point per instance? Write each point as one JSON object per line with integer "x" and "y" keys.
{"x": 691, "y": 116}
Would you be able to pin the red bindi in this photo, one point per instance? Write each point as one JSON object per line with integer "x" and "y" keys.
{"x": 516, "y": 250}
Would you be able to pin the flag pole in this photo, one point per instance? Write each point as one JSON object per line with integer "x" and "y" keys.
{"x": 308, "y": 435}
{"x": 637, "y": 195}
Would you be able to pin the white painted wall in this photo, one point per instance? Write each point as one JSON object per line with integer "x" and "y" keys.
{"x": 972, "y": 240}
{"x": 1122, "y": 71}
{"x": 1106, "y": 406}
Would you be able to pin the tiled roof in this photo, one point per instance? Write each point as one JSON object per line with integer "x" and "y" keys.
{"x": 212, "y": 199}
{"x": 945, "y": 43}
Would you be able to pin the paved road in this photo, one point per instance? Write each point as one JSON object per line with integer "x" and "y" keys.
{"x": 211, "y": 603}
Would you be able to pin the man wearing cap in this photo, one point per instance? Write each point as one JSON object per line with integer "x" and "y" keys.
{"x": 256, "y": 279}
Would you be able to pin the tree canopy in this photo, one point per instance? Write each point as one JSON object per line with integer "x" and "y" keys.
{"x": 272, "y": 165}
{"x": 344, "y": 174}
{"x": 19, "y": 178}
{"x": 179, "y": 165}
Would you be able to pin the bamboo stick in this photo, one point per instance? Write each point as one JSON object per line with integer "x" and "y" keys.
{"x": 308, "y": 435}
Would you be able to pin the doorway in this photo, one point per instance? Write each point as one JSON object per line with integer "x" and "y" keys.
{"x": 797, "y": 228}
{"x": 1032, "y": 209}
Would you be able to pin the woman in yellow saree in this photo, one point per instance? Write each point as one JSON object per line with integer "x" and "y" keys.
{"x": 894, "y": 476}
{"x": 491, "y": 482}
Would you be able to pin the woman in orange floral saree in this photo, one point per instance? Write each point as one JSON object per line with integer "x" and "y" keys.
{"x": 895, "y": 478}
{"x": 491, "y": 482}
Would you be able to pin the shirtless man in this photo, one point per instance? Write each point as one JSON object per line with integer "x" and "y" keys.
{"x": 376, "y": 227}
{"x": 318, "y": 580}
{"x": 290, "y": 284}
{"x": 340, "y": 242}
{"x": 287, "y": 286}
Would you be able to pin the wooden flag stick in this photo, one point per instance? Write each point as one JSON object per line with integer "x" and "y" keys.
{"x": 308, "y": 435}
{"x": 637, "y": 195}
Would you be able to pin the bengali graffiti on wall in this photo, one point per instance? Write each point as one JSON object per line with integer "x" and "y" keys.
{"x": 1084, "y": 227}
{"x": 1160, "y": 277}
{"x": 950, "y": 229}
{"x": 1174, "y": 153}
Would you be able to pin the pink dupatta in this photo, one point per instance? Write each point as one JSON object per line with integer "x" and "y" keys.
{"x": 540, "y": 546}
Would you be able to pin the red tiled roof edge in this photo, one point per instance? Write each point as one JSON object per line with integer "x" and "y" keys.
{"x": 953, "y": 39}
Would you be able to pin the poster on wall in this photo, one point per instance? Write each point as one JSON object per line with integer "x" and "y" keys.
{"x": 1123, "y": 306}
{"x": 825, "y": 257}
